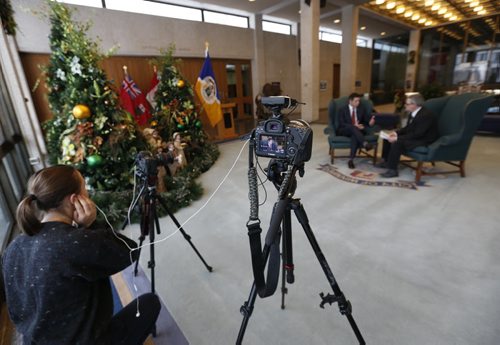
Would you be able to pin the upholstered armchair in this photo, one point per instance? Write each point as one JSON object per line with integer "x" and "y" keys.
{"x": 458, "y": 119}
{"x": 340, "y": 142}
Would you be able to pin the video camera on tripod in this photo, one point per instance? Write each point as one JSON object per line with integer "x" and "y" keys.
{"x": 281, "y": 138}
{"x": 289, "y": 145}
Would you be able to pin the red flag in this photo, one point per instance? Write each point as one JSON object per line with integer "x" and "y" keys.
{"x": 133, "y": 101}
{"x": 152, "y": 90}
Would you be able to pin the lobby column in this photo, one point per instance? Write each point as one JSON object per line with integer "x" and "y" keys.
{"x": 309, "y": 60}
{"x": 412, "y": 60}
{"x": 348, "y": 49}
{"x": 259, "y": 61}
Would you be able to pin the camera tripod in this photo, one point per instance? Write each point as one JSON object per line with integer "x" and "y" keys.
{"x": 149, "y": 221}
{"x": 286, "y": 183}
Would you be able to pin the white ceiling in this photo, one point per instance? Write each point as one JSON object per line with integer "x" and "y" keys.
{"x": 288, "y": 11}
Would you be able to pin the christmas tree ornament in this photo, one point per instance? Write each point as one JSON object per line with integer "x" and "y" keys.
{"x": 198, "y": 124}
{"x": 81, "y": 111}
{"x": 95, "y": 161}
{"x": 180, "y": 84}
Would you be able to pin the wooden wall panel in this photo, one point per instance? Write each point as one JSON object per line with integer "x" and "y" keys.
{"x": 140, "y": 68}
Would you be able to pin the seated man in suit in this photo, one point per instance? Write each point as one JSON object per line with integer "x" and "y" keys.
{"x": 353, "y": 121}
{"x": 420, "y": 130}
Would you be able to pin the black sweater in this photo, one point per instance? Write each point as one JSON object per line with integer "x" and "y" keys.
{"x": 57, "y": 283}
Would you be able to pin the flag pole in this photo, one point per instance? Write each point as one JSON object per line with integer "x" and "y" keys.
{"x": 125, "y": 70}
{"x": 206, "y": 48}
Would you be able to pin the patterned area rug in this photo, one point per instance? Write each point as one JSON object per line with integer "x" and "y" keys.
{"x": 368, "y": 175}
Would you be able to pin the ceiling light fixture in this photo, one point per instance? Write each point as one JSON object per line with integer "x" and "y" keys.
{"x": 382, "y": 33}
{"x": 363, "y": 28}
{"x": 415, "y": 17}
{"x": 478, "y": 8}
{"x": 481, "y": 12}
{"x": 336, "y": 21}
{"x": 442, "y": 10}
{"x": 408, "y": 14}
{"x": 436, "y": 7}
{"x": 447, "y": 15}
{"x": 421, "y": 20}
{"x": 453, "y": 18}
{"x": 391, "y": 5}
{"x": 400, "y": 9}
{"x": 474, "y": 4}
{"x": 379, "y": 2}
{"x": 429, "y": 2}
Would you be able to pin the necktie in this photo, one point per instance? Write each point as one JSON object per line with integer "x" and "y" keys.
{"x": 410, "y": 119}
{"x": 353, "y": 117}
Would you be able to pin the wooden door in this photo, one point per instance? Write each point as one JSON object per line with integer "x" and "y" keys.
{"x": 336, "y": 81}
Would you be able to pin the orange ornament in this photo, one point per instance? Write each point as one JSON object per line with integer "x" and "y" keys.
{"x": 81, "y": 111}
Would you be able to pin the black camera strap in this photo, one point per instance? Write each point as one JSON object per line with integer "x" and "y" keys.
{"x": 272, "y": 243}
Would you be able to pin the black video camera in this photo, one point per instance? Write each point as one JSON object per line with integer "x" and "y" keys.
{"x": 283, "y": 139}
{"x": 147, "y": 165}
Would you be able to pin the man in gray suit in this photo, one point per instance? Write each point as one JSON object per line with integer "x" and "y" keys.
{"x": 421, "y": 130}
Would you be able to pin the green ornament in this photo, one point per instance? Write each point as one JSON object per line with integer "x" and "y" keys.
{"x": 180, "y": 126}
{"x": 95, "y": 161}
{"x": 198, "y": 124}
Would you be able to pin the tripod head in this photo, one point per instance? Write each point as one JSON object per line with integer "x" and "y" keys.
{"x": 276, "y": 171}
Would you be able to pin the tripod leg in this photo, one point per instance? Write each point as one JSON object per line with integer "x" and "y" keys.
{"x": 287, "y": 272}
{"x": 186, "y": 236}
{"x": 247, "y": 307}
{"x": 344, "y": 305}
{"x": 141, "y": 240}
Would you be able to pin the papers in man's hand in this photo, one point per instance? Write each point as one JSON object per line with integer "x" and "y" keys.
{"x": 387, "y": 134}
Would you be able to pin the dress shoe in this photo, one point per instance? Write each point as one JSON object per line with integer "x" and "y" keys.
{"x": 390, "y": 173}
{"x": 350, "y": 164}
{"x": 382, "y": 165}
{"x": 367, "y": 146}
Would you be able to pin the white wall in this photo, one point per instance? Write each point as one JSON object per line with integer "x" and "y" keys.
{"x": 136, "y": 34}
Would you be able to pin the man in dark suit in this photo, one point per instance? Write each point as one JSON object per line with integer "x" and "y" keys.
{"x": 353, "y": 121}
{"x": 420, "y": 130}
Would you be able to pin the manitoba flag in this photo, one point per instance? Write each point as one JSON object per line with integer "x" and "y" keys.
{"x": 133, "y": 101}
{"x": 206, "y": 89}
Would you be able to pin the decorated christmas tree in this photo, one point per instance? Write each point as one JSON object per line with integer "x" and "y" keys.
{"x": 175, "y": 115}
{"x": 88, "y": 130}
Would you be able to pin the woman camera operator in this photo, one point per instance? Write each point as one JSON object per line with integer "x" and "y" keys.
{"x": 56, "y": 273}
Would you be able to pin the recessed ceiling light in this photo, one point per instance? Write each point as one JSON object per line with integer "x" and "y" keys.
{"x": 421, "y": 20}
{"x": 336, "y": 21}
{"x": 481, "y": 12}
{"x": 379, "y": 2}
{"x": 300, "y": 11}
{"x": 408, "y": 14}
{"x": 400, "y": 9}
{"x": 474, "y": 3}
{"x": 416, "y": 16}
{"x": 442, "y": 10}
{"x": 251, "y": 0}
{"x": 390, "y": 5}
{"x": 363, "y": 28}
{"x": 382, "y": 33}
{"x": 436, "y": 7}
{"x": 478, "y": 8}
{"x": 429, "y": 2}
{"x": 447, "y": 15}
{"x": 452, "y": 18}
